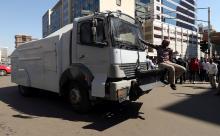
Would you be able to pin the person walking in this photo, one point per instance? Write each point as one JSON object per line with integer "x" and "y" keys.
{"x": 218, "y": 66}
{"x": 205, "y": 68}
{"x": 181, "y": 62}
{"x": 212, "y": 72}
{"x": 164, "y": 56}
{"x": 194, "y": 69}
{"x": 202, "y": 71}
{"x": 150, "y": 64}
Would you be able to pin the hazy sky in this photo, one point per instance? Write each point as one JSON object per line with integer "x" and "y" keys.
{"x": 21, "y": 17}
{"x": 25, "y": 17}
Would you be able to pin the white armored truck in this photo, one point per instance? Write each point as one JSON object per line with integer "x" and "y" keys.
{"x": 97, "y": 57}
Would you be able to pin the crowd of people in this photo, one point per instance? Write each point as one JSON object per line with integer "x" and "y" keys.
{"x": 180, "y": 70}
{"x": 197, "y": 71}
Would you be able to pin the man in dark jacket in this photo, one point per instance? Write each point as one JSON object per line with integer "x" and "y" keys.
{"x": 181, "y": 62}
{"x": 164, "y": 56}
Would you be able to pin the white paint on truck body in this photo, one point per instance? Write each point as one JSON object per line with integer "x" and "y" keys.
{"x": 39, "y": 64}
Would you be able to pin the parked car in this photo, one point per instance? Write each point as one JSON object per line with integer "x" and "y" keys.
{"x": 4, "y": 70}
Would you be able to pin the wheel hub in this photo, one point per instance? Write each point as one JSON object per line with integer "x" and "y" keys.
{"x": 75, "y": 96}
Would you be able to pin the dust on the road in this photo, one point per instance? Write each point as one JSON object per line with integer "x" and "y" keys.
{"x": 161, "y": 112}
{"x": 6, "y": 130}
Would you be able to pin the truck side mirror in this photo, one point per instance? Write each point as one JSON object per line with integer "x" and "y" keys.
{"x": 94, "y": 29}
{"x": 98, "y": 34}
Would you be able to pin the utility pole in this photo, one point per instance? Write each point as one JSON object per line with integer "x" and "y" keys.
{"x": 209, "y": 30}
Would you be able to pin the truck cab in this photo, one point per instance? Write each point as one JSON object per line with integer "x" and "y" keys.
{"x": 97, "y": 57}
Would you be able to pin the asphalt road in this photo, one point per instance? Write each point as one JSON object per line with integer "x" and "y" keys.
{"x": 192, "y": 110}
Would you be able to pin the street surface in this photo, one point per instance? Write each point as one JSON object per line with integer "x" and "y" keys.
{"x": 192, "y": 110}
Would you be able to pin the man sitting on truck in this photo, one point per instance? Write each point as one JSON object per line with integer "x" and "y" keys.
{"x": 164, "y": 56}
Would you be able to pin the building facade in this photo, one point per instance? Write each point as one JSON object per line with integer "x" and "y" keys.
{"x": 19, "y": 39}
{"x": 162, "y": 19}
{"x": 3, "y": 54}
{"x": 174, "y": 20}
{"x": 65, "y": 11}
{"x": 46, "y": 23}
{"x": 84, "y": 5}
{"x": 56, "y": 17}
{"x": 214, "y": 39}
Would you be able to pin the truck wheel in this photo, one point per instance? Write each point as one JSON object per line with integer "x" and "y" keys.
{"x": 79, "y": 98}
{"x": 3, "y": 73}
{"x": 24, "y": 91}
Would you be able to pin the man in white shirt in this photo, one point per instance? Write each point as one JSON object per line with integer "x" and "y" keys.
{"x": 149, "y": 63}
{"x": 212, "y": 72}
{"x": 205, "y": 66}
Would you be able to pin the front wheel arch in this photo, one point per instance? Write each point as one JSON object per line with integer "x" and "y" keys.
{"x": 76, "y": 73}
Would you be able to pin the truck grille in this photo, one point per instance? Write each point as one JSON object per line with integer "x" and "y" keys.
{"x": 129, "y": 68}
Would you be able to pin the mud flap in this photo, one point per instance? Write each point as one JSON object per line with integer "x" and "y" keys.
{"x": 135, "y": 91}
{"x": 146, "y": 80}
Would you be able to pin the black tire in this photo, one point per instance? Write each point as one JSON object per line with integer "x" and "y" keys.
{"x": 3, "y": 73}
{"x": 79, "y": 98}
{"x": 26, "y": 91}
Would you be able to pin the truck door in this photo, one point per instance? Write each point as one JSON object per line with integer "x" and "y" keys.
{"x": 94, "y": 55}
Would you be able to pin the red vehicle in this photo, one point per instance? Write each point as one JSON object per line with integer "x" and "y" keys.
{"x": 4, "y": 70}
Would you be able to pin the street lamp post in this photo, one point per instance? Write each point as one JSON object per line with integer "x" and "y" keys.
{"x": 209, "y": 29}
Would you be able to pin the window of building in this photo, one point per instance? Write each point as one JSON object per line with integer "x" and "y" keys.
{"x": 157, "y": 28}
{"x": 118, "y": 2}
{"x": 172, "y": 38}
{"x": 158, "y": 17}
{"x": 166, "y": 37}
{"x": 186, "y": 26}
{"x": 191, "y": 1}
{"x": 169, "y": 21}
{"x": 145, "y": 1}
{"x": 179, "y": 33}
{"x": 186, "y": 19}
{"x": 157, "y": 36}
{"x": 158, "y": 8}
{"x": 184, "y": 34}
{"x": 179, "y": 40}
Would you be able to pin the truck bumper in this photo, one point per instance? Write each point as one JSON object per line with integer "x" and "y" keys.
{"x": 133, "y": 89}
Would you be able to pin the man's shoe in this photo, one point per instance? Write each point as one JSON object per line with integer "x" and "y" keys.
{"x": 173, "y": 86}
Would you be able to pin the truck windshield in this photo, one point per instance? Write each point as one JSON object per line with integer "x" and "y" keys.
{"x": 126, "y": 35}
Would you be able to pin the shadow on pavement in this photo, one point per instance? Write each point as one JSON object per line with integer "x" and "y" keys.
{"x": 51, "y": 105}
{"x": 196, "y": 87}
{"x": 204, "y": 106}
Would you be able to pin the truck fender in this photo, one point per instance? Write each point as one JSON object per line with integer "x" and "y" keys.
{"x": 76, "y": 73}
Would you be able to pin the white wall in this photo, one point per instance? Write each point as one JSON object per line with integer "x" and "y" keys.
{"x": 127, "y": 6}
